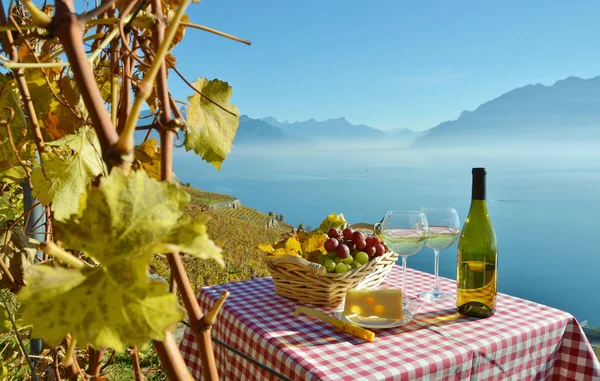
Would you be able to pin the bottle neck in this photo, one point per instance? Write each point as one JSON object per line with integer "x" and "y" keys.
{"x": 478, "y": 191}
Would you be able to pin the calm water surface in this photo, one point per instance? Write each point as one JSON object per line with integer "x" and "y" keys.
{"x": 544, "y": 203}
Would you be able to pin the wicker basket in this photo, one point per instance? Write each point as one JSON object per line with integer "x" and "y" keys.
{"x": 308, "y": 282}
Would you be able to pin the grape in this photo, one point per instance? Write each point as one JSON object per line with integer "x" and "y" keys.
{"x": 322, "y": 258}
{"x": 348, "y": 260}
{"x": 361, "y": 244}
{"x": 379, "y": 250}
{"x": 370, "y": 250}
{"x": 355, "y": 265}
{"x": 351, "y": 246}
{"x": 358, "y": 236}
{"x": 333, "y": 233}
{"x": 341, "y": 268}
{"x": 329, "y": 265}
{"x": 348, "y": 233}
{"x": 372, "y": 241}
{"x": 343, "y": 251}
{"x": 385, "y": 247}
{"x": 337, "y": 260}
{"x": 361, "y": 257}
{"x": 331, "y": 244}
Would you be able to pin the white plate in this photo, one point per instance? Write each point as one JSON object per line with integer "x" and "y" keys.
{"x": 374, "y": 322}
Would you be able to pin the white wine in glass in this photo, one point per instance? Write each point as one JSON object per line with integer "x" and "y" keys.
{"x": 443, "y": 232}
{"x": 405, "y": 233}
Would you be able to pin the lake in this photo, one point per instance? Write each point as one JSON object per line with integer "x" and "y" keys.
{"x": 544, "y": 203}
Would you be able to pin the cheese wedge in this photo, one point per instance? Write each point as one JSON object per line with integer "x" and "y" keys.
{"x": 386, "y": 304}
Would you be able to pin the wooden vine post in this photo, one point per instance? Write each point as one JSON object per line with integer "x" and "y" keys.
{"x": 85, "y": 123}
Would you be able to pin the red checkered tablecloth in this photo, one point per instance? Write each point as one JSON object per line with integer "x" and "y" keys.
{"x": 522, "y": 341}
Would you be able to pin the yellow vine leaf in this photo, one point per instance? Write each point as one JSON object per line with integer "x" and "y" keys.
{"x": 17, "y": 254}
{"x": 332, "y": 221}
{"x": 312, "y": 243}
{"x": 116, "y": 222}
{"x": 67, "y": 175}
{"x": 148, "y": 156}
{"x": 22, "y": 138}
{"x": 180, "y": 31}
{"x": 111, "y": 306}
{"x": 56, "y": 119}
{"x": 210, "y": 129}
{"x": 103, "y": 79}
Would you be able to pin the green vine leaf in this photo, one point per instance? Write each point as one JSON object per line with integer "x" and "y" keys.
{"x": 100, "y": 306}
{"x": 67, "y": 172}
{"x": 117, "y": 222}
{"x": 11, "y": 202}
{"x": 191, "y": 238}
{"x": 210, "y": 129}
{"x": 116, "y": 226}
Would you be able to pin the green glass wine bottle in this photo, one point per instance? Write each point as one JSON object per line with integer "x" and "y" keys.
{"x": 476, "y": 278}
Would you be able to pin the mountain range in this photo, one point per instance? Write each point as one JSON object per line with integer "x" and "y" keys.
{"x": 567, "y": 110}
{"x": 309, "y": 132}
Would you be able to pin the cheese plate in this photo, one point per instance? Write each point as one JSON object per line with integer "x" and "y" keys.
{"x": 373, "y": 322}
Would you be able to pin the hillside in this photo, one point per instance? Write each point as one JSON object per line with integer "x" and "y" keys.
{"x": 237, "y": 230}
{"x": 567, "y": 110}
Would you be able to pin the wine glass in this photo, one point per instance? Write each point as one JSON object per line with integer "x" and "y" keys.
{"x": 404, "y": 232}
{"x": 443, "y": 232}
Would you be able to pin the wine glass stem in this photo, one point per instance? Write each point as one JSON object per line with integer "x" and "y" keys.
{"x": 436, "y": 284}
{"x": 404, "y": 276}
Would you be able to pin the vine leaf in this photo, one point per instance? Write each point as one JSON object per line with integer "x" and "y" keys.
{"x": 147, "y": 155}
{"x": 116, "y": 222}
{"x": 210, "y": 129}
{"x": 68, "y": 171}
{"x": 17, "y": 254}
{"x": 11, "y": 202}
{"x": 128, "y": 306}
{"x": 56, "y": 119}
{"x": 117, "y": 227}
{"x": 21, "y": 136}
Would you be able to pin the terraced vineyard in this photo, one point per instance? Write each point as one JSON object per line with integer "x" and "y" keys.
{"x": 200, "y": 197}
{"x": 255, "y": 217}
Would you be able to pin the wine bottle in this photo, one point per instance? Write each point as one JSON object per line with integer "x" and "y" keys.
{"x": 476, "y": 279}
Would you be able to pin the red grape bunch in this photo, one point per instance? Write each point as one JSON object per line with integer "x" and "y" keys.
{"x": 349, "y": 249}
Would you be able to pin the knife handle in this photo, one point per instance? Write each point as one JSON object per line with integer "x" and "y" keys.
{"x": 352, "y": 329}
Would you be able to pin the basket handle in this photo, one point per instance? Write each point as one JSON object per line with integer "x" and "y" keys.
{"x": 314, "y": 268}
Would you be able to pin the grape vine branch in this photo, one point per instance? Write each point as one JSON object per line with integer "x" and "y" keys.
{"x": 72, "y": 91}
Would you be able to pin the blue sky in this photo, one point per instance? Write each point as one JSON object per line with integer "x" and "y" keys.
{"x": 385, "y": 63}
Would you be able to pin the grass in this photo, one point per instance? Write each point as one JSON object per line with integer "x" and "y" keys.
{"x": 122, "y": 370}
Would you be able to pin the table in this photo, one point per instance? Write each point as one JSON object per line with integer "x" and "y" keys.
{"x": 522, "y": 341}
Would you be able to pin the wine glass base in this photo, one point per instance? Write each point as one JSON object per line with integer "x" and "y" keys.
{"x": 410, "y": 304}
{"x": 431, "y": 296}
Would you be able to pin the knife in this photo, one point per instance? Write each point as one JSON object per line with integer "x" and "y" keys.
{"x": 344, "y": 326}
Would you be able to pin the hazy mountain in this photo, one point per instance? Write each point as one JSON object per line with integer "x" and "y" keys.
{"x": 567, "y": 110}
{"x": 403, "y": 133}
{"x": 257, "y": 131}
{"x": 340, "y": 129}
